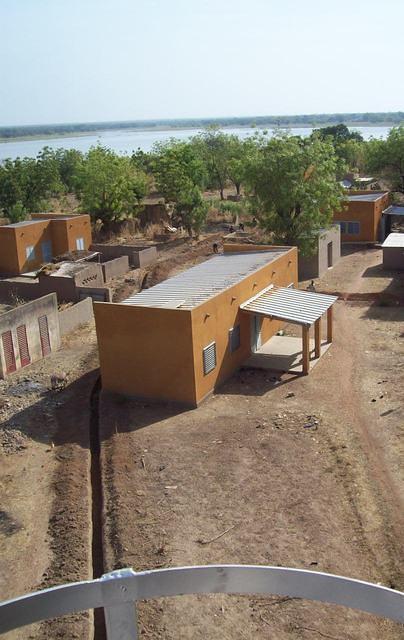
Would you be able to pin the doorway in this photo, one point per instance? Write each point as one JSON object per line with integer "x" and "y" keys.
{"x": 329, "y": 255}
{"x": 47, "y": 253}
{"x": 256, "y": 325}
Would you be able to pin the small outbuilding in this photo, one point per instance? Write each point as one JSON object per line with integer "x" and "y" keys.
{"x": 25, "y": 246}
{"x": 393, "y": 251}
{"x": 326, "y": 254}
{"x": 360, "y": 217}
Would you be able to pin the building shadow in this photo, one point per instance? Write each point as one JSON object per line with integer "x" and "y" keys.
{"x": 378, "y": 271}
{"x": 57, "y": 417}
{"x": 253, "y": 382}
{"x": 123, "y": 414}
{"x": 350, "y": 249}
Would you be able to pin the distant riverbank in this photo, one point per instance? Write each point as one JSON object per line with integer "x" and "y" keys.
{"x": 173, "y": 128}
{"x": 126, "y": 141}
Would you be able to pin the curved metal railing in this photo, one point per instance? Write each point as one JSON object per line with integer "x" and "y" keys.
{"x": 118, "y": 591}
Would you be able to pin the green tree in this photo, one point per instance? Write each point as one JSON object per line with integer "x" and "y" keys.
{"x": 110, "y": 186}
{"x": 339, "y": 133}
{"x": 180, "y": 176}
{"x": 386, "y": 158}
{"x": 29, "y": 182}
{"x": 240, "y": 152}
{"x": 293, "y": 188}
{"x": 192, "y": 209}
{"x": 214, "y": 147}
{"x": 69, "y": 162}
{"x": 352, "y": 153}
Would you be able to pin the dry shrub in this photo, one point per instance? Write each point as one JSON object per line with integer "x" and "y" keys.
{"x": 152, "y": 230}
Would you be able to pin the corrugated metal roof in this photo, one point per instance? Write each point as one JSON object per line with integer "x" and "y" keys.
{"x": 366, "y": 197}
{"x": 394, "y": 240}
{"x": 394, "y": 210}
{"x": 292, "y": 305}
{"x": 191, "y": 287}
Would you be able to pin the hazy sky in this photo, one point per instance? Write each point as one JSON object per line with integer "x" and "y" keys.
{"x": 91, "y": 60}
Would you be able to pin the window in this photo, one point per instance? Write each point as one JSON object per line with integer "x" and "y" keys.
{"x": 354, "y": 228}
{"x": 209, "y": 358}
{"x": 79, "y": 244}
{"x": 30, "y": 253}
{"x": 350, "y": 228}
{"x": 343, "y": 226}
{"x": 234, "y": 338}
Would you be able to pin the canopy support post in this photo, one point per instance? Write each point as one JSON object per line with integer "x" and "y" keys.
{"x": 329, "y": 324}
{"x": 317, "y": 338}
{"x": 306, "y": 349}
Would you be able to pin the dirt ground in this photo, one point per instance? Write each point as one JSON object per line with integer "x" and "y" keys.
{"x": 360, "y": 271}
{"x": 45, "y": 523}
{"x": 301, "y": 472}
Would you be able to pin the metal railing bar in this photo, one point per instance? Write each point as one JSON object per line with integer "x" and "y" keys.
{"x": 124, "y": 587}
{"x": 297, "y": 583}
{"x": 50, "y": 603}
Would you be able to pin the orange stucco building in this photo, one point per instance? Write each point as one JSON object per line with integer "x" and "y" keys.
{"x": 360, "y": 219}
{"x": 24, "y": 246}
{"x": 181, "y": 338}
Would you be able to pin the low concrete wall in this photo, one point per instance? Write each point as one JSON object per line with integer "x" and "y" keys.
{"x": 143, "y": 257}
{"x": 75, "y": 316}
{"x": 98, "y": 294}
{"x": 139, "y": 256}
{"x": 11, "y": 290}
{"x": 28, "y": 315}
{"x": 115, "y": 268}
{"x": 90, "y": 276}
{"x": 64, "y": 287}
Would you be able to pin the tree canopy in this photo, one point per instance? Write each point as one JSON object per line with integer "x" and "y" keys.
{"x": 293, "y": 188}
{"x": 338, "y": 132}
{"x": 386, "y": 157}
{"x": 180, "y": 176}
{"x": 110, "y": 186}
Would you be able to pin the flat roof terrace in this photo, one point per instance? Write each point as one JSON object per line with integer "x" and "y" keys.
{"x": 196, "y": 285}
{"x": 366, "y": 197}
{"x": 394, "y": 240}
{"x": 24, "y": 223}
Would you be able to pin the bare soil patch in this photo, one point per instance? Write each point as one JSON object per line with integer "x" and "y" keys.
{"x": 45, "y": 526}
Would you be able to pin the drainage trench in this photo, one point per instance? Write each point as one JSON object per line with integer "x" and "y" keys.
{"x": 97, "y": 557}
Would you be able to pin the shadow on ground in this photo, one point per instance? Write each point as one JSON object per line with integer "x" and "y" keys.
{"x": 56, "y": 418}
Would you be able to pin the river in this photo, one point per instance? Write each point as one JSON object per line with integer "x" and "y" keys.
{"x": 126, "y": 141}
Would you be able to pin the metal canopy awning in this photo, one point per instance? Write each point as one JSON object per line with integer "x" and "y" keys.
{"x": 291, "y": 305}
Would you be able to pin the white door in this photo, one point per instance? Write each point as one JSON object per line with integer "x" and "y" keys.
{"x": 79, "y": 244}
{"x": 256, "y": 323}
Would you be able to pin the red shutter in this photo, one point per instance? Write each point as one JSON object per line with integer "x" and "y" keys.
{"x": 44, "y": 334}
{"x": 8, "y": 349}
{"x": 23, "y": 345}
